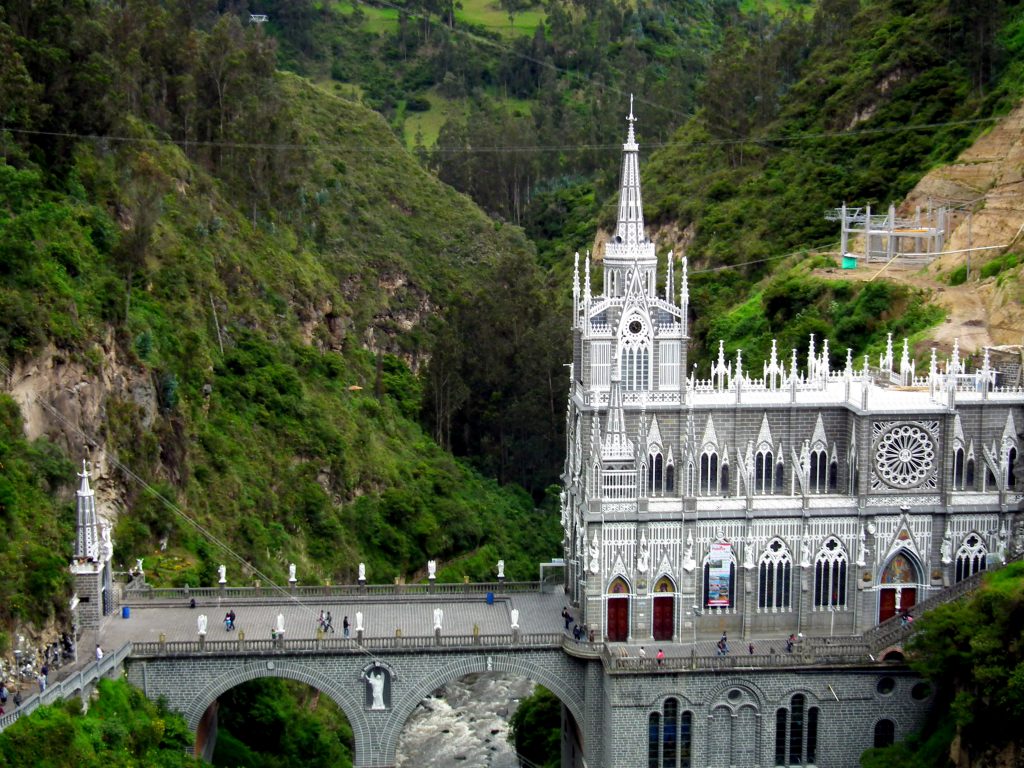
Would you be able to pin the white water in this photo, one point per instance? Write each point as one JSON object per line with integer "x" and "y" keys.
{"x": 466, "y": 723}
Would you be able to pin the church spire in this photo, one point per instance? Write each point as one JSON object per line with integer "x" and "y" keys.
{"x": 86, "y": 539}
{"x": 630, "y": 229}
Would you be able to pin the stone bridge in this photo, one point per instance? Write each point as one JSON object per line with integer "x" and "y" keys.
{"x": 824, "y": 703}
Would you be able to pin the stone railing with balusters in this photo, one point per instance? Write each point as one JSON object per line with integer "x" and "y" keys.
{"x": 134, "y": 595}
{"x": 309, "y": 646}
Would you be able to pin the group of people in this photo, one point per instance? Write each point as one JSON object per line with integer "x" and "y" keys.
{"x": 905, "y": 617}
{"x": 723, "y": 645}
{"x": 326, "y": 623}
{"x": 659, "y": 656}
{"x": 5, "y": 694}
{"x": 229, "y": 621}
{"x": 579, "y": 631}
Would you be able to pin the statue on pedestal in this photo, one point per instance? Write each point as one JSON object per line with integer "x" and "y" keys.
{"x": 222, "y": 573}
{"x": 501, "y": 569}
{"x": 359, "y": 621}
{"x": 201, "y": 624}
{"x": 431, "y": 569}
{"x": 438, "y": 617}
{"x": 376, "y": 679}
{"x": 514, "y": 615}
{"x": 362, "y": 571}
{"x": 291, "y": 572}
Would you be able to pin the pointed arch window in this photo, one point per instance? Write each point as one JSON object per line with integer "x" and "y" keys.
{"x": 1011, "y": 459}
{"x": 780, "y": 470}
{"x": 670, "y": 476}
{"x": 819, "y": 470}
{"x": 971, "y": 557}
{"x": 796, "y": 736}
{"x": 830, "y": 575}
{"x": 724, "y": 487}
{"x": 690, "y": 472}
{"x": 969, "y": 474}
{"x": 709, "y": 472}
{"x": 635, "y": 355}
{"x": 764, "y": 468}
{"x": 833, "y": 476}
{"x": 775, "y": 574}
{"x": 670, "y": 737}
{"x": 958, "y": 468}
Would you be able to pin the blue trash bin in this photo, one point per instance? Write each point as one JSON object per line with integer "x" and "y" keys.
{"x": 125, "y": 612}
{"x": 490, "y": 598}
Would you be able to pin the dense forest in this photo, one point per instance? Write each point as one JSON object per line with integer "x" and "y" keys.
{"x": 316, "y": 271}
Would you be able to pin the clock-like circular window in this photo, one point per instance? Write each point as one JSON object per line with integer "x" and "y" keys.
{"x": 905, "y": 456}
{"x": 635, "y": 326}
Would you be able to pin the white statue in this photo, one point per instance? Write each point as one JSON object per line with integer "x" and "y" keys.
{"x": 163, "y": 544}
{"x": 688, "y": 562}
{"x": 280, "y": 624}
{"x": 106, "y": 545}
{"x": 501, "y": 569}
{"x": 1000, "y": 544}
{"x": 595, "y": 555}
{"x": 377, "y": 680}
{"x": 201, "y": 623}
{"x": 359, "y": 621}
{"x": 222, "y": 572}
{"x": 748, "y": 554}
{"x": 514, "y": 615}
{"x": 490, "y": 664}
{"x": 138, "y": 566}
{"x": 438, "y": 618}
{"x": 805, "y": 553}
{"x": 362, "y": 571}
{"x": 862, "y": 550}
{"x": 946, "y": 549}
{"x": 431, "y": 569}
{"x": 642, "y": 560}
{"x": 291, "y": 572}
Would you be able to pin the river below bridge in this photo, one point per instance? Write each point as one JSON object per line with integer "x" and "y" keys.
{"x": 464, "y": 723}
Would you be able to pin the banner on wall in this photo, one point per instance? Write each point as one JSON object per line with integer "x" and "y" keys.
{"x": 719, "y": 568}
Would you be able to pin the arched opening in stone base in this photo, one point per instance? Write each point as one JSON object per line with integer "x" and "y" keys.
{"x": 436, "y": 721}
{"x": 203, "y": 713}
{"x": 488, "y": 718}
{"x": 272, "y": 720}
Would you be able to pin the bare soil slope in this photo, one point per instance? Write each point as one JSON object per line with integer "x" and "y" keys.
{"x": 986, "y": 187}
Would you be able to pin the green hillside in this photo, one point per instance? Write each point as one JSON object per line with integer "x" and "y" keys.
{"x": 272, "y": 265}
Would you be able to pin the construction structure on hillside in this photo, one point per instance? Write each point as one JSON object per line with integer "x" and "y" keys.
{"x": 886, "y": 237}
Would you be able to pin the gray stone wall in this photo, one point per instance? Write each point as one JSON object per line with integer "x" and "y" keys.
{"x": 733, "y": 714}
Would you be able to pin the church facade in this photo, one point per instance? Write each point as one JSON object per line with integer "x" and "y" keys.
{"x": 788, "y": 496}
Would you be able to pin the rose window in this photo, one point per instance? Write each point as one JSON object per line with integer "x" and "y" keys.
{"x": 905, "y": 456}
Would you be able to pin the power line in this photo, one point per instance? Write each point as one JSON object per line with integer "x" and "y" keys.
{"x": 397, "y": 149}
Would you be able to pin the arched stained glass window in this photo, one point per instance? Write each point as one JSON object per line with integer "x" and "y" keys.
{"x": 774, "y": 577}
{"x": 830, "y": 575}
{"x": 971, "y": 557}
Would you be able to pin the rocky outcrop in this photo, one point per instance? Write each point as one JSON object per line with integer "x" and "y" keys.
{"x": 65, "y": 397}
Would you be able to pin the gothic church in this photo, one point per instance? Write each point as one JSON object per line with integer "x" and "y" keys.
{"x": 783, "y": 498}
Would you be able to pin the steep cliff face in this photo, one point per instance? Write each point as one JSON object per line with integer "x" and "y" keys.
{"x": 985, "y": 187}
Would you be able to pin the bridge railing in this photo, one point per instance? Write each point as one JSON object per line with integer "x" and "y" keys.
{"x": 837, "y": 654}
{"x": 342, "y": 645}
{"x": 69, "y": 686}
{"x": 135, "y": 593}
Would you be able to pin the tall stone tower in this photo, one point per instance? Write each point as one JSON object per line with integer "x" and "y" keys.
{"x": 91, "y": 564}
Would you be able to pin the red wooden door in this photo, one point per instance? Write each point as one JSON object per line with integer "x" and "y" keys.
{"x": 908, "y": 598}
{"x": 618, "y": 619}
{"x": 664, "y": 615}
{"x": 886, "y": 604}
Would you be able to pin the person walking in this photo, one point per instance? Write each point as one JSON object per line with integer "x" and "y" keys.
{"x": 344, "y": 626}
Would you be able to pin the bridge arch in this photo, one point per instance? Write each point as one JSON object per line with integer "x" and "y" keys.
{"x": 303, "y": 673}
{"x": 556, "y": 681}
